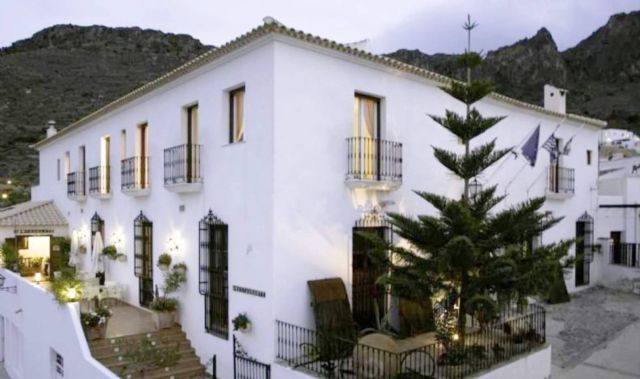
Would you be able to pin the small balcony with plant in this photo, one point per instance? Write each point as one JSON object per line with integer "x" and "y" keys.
{"x": 560, "y": 182}
{"x": 100, "y": 182}
{"x": 76, "y": 186}
{"x": 182, "y": 168}
{"x": 135, "y": 179}
{"x": 373, "y": 163}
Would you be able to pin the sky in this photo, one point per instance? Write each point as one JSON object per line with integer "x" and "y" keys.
{"x": 429, "y": 25}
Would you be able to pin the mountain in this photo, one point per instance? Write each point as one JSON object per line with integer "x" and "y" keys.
{"x": 65, "y": 72}
{"x": 602, "y": 73}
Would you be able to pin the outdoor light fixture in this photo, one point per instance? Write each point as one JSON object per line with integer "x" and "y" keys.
{"x": 5, "y": 196}
{"x": 456, "y": 337}
{"x": 37, "y": 278}
{"x": 71, "y": 293}
{"x": 9, "y": 182}
{"x": 475, "y": 187}
{"x": 13, "y": 289}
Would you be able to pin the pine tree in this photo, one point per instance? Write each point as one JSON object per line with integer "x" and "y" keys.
{"x": 469, "y": 252}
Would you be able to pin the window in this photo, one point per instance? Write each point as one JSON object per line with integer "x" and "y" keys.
{"x": 589, "y": 157}
{"x": 123, "y": 144}
{"x": 81, "y": 158}
{"x": 214, "y": 238}
{"x": 364, "y": 145}
{"x": 236, "y": 115}
{"x": 67, "y": 163}
{"x": 366, "y": 116}
{"x": 23, "y": 242}
{"x": 97, "y": 225}
{"x": 142, "y": 163}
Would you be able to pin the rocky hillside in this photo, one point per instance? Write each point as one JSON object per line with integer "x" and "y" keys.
{"x": 64, "y": 72}
{"x": 602, "y": 72}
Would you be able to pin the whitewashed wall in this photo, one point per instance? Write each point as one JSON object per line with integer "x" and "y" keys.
{"x": 34, "y": 324}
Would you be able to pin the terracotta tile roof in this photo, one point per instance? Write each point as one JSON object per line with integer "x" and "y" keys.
{"x": 273, "y": 27}
{"x": 32, "y": 214}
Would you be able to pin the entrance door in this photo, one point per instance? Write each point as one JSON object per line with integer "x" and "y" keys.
{"x": 616, "y": 248}
{"x": 143, "y": 266}
{"x": 583, "y": 251}
{"x": 369, "y": 299}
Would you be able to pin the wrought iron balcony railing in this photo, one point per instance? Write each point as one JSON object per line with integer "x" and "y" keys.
{"x": 625, "y": 254}
{"x": 100, "y": 180}
{"x": 135, "y": 174}
{"x": 561, "y": 181}
{"x": 76, "y": 189}
{"x": 374, "y": 160}
{"x": 182, "y": 164}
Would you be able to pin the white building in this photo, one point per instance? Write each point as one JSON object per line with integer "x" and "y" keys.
{"x": 290, "y": 141}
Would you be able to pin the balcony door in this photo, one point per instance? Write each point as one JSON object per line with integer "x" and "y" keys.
{"x": 192, "y": 140}
{"x": 143, "y": 138}
{"x": 143, "y": 254}
{"x": 366, "y": 136}
{"x": 584, "y": 246}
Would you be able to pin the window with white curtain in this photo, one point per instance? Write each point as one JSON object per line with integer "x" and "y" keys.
{"x": 236, "y": 115}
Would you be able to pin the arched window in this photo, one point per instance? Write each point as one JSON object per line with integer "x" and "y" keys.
{"x": 213, "y": 262}
{"x": 143, "y": 257}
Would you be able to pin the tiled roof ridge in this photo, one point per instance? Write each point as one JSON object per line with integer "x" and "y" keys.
{"x": 273, "y": 26}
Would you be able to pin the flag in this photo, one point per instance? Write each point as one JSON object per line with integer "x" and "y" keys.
{"x": 530, "y": 148}
{"x": 567, "y": 147}
{"x": 551, "y": 145}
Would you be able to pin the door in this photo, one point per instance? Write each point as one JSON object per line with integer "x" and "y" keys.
{"x": 369, "y": 299}
{"x": 143, "y": 130}
{"x": 366, "y": 133}
{"x": 143, "y": 254}
{"x": 582, "y": 263}
{"x": 616, "y": 247}
{"x": 192, "y": 137}
{"x": 57, "y": 255}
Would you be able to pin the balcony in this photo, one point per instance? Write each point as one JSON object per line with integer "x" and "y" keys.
{"x": 76, "y": 188}
{"x": 135, "y": 176}
{"x": 560, "y": 183}
{"x": 373, "y": 163}
{"x": 100, "y": 182}
{"x": 182, "y": 168}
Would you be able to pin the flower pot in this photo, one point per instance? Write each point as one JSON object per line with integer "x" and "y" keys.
{"x": 180, "y": 270}
{"x": 82, "y": 250}
{"x": 246, "y": 329}
{"x": 95, "y": 333}
{"x": 163, "y": 267}
{"x": 164, "y": 320}
{"x": 122, "y": 258}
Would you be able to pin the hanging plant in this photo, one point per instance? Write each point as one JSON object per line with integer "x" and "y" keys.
{"x": 164, "y": 261}
{"x": 110, "y": 252}
{"x": 180, "y": 268}
{"x": 242, "y": 323}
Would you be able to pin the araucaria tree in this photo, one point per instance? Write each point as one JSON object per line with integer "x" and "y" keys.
{"x": 477, "y": 256}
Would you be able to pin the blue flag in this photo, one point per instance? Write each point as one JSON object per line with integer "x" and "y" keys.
{"x": 530, "y": 148}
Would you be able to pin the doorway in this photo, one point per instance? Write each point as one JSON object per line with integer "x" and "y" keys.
{"x": 584, "y": 253}
{"x": 143, "y": 252}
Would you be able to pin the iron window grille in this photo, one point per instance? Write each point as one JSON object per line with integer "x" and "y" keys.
{"x": 213, "y": 274}
{"x": 100, "y": 180}
{"x": 143, "y": 257}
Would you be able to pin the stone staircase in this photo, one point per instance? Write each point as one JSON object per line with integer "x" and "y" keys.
{"x": 112, "y": 353}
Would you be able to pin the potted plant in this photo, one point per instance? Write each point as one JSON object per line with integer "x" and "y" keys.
{"x": 110, "y": 252}
{"x": 121, "y": 257}
{"x": 82, "y": 249}
{"x": 164, "y": 309}
{"x": 180, "y": 268}
{"x": 242, "y": 323}
{"x": 164, "y": 261}
{"x": 95, "y": 323}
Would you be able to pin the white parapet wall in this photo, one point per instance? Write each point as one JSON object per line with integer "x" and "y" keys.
{"x": 536, "y": 365}
{"x": 37, "y": 330}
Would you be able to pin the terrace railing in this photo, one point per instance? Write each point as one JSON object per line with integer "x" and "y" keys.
{"x": 373, "y": 159}
{"x": 76, "y": 187}
{"x": 625, "y": 254}
{"x": 245, "y": 367}
{"x": 135, "y": 173}
{"x": 100, "y": 180}
{"x": 182, "y": 164}
{"x": 515, "y": 332}
{"x": 561, "y": 180}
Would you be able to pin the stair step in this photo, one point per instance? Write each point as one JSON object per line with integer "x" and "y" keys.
{"x": 160, "y": 333}
{"x": 191, "y": 365}
{"x": 118, "y": 349}
{"x": 114, "y": 358}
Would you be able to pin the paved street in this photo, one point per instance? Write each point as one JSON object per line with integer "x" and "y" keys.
{"x": 596, "y": 336}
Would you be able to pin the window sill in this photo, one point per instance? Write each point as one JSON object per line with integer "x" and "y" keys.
{"x": 234, "y": 144}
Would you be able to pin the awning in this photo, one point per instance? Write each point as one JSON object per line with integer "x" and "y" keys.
{"x": 32, "y": 216}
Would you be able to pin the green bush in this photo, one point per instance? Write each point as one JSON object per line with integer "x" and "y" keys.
{"x": 164, "y": 304}
{"x": 9, "y": 257}
{"x": 68, "y": 288}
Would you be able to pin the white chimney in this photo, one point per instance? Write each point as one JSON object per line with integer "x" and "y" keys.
{"x": 51, "y": 129}
{"x": 555, "y": 99}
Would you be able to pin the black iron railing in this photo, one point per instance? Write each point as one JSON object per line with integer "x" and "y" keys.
{"x": 76, "y": 185}
{"x": 561, "y": 180}
{"x": 374, "y": 159}
{"x": 182, "y": 164}
{"x": 135, "y": 173}
{"x": 513, "y": 333}
{"x": 625, "y": 254}
{"x": 100, "y": 180}
{"x": 245, "y": 367}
